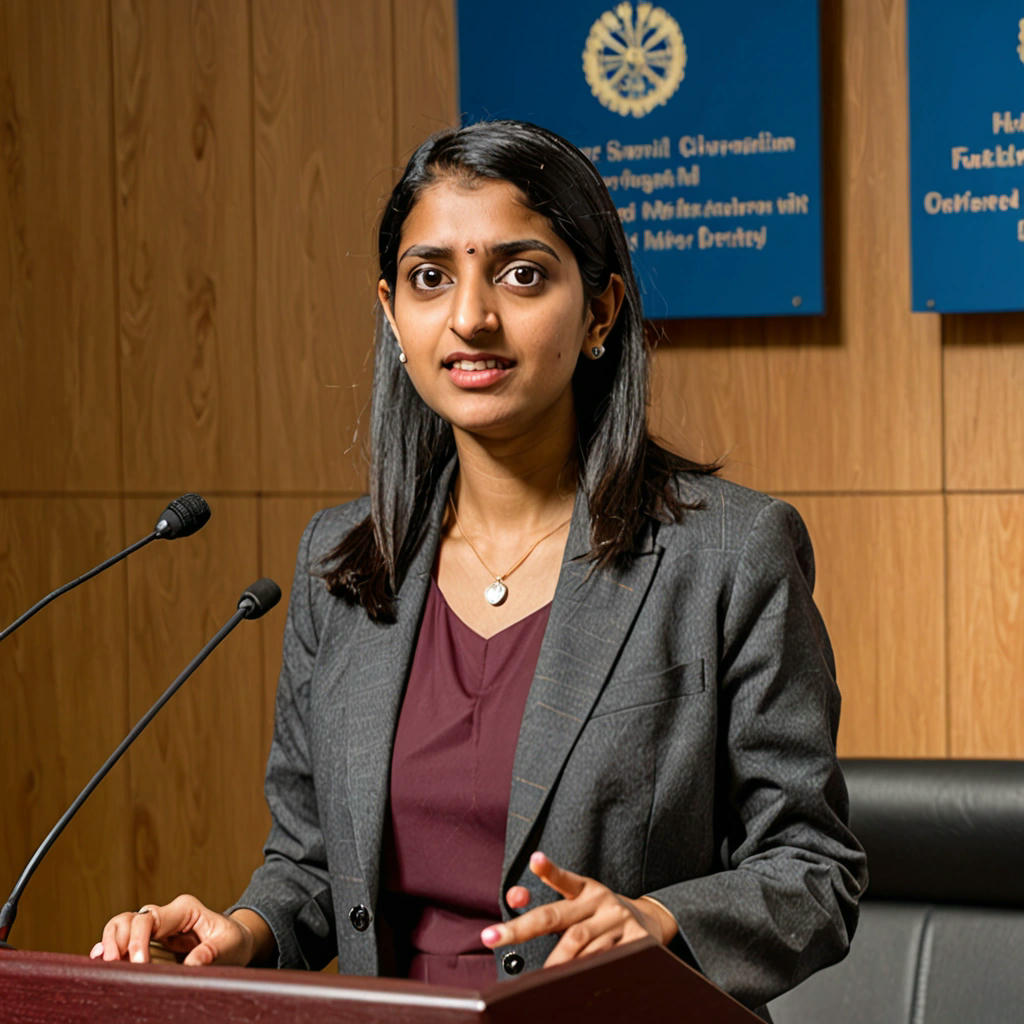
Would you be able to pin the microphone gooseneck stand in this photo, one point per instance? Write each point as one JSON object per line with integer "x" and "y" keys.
{"x": 181, "y": 518}
{"x": 254, "y": 602}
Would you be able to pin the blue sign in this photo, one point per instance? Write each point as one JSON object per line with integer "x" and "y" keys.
{"x": 702, "y": 116}
{"x": 966, "y": 65}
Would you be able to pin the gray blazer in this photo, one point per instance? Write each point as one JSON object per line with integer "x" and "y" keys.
{"x": 678, "y": 740}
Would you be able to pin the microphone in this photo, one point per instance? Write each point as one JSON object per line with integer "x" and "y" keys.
{"x": 181, "y": 518}
{"x": 255, "y": 601}
{"x": 258, "y": 599}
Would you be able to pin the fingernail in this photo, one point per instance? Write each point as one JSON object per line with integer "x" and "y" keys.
{"x": 96, "y": 950}
{"x": 490, "y": 936}
{"x": 137, "y": 957}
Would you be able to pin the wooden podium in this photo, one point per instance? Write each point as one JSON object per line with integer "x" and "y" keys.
{"x": 638, "y": 982}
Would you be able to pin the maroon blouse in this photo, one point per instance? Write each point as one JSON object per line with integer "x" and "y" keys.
{"x": 451, "y": 772}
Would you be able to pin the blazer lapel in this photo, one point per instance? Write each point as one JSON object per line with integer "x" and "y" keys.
{"x": 592, "y": 613}
{"x": 378, "y": 666}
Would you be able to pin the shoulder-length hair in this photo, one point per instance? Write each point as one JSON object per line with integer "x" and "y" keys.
{"x": 626, "y": 476}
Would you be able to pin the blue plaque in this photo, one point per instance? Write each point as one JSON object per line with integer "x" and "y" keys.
{"x": 702, "y": 116}
{"x": 966, "y": 63}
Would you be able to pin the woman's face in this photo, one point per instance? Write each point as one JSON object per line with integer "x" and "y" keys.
{"x": 489, "y": 309}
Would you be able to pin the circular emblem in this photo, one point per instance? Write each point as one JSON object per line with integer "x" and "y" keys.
{"x": 634, "y": 58}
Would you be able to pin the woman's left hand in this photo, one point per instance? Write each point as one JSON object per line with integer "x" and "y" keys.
{"x": 591, "y": 917}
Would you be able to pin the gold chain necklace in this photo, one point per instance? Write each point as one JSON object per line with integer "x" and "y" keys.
{"x": 497, "y": 592}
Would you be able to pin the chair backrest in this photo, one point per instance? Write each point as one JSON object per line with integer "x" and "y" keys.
{"x": 941, "y": 933}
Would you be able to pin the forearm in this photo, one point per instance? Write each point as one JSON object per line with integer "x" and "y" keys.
{"x": 759, "y": 929}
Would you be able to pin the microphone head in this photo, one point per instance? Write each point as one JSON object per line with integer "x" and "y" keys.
{"x": 259, "y": 598}
{"x": 183, "y": 517}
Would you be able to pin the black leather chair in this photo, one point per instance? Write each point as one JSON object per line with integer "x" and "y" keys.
{"x": 941, "y": 934}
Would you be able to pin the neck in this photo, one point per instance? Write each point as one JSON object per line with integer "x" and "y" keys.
{"x": 519, "y": 486}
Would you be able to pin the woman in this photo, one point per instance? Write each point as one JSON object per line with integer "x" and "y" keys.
{"x": 541, "y": 632}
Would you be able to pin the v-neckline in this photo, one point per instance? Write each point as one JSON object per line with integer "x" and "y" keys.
{"x": 469, "y": 629}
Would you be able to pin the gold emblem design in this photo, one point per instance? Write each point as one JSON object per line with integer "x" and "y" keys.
{"x": 634, "y": 59}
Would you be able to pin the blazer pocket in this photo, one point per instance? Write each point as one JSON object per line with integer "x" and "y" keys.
{"x": 638, "y": 691}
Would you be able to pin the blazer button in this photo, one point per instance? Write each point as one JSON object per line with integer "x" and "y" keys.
{"x": 359, "y": 917}
{"x": 512, "y": 963}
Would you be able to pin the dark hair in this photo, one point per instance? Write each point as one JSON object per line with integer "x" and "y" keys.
{"x": 626, "y": 476}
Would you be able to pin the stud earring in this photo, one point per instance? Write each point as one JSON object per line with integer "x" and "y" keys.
{"x": 597, "y": 351}
{"x": 402, "y": 357}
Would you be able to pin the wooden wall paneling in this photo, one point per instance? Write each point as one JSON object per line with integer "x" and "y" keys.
{"x": 984, "y": 401}
{"x": 182, "y": 89}
{"x": 986, "y": 625}
{"x": 323, "y": 155}
{"x": 850, "y": 401}
{"x": 63, "y": 705}
{"x": 196, "y": 773}
{"x": 59, "y": 414}
{"x": 880, "y": 584}
{"x": 426, "y": 98}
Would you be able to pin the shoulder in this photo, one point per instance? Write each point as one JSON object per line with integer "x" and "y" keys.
{"x": 328, "y": 528}
{"x": 737, "y": 523}
{"x": 725, "y": 513}
{"x": 310, "y": 602}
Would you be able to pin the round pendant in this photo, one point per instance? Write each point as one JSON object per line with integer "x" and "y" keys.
{"x": 496, "y": 593}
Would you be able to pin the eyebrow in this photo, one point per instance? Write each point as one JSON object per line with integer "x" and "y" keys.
{"x": 505, "y": 249}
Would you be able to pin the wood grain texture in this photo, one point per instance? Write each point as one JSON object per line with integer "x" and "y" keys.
{"x": 983, "y": 358}
{"x": 986, "y": 625}
{"x": 196, "y": 773}
{"x": 59, "y": 412}
{"x": 182, "y": 92}
{"x": 880, "y": 588}
{"x": 323, "y": 153}
{"x": 426, "y": 94}
{"x": 850, "y": 401}
{"x": 63, "y": 705}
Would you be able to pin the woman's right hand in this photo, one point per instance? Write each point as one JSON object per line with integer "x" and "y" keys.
{"x": 185, "y": 926}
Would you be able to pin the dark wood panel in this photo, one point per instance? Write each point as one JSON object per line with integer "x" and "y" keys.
{"x": 182, "y": 89}
{"x": 196, "y": 773}
{"x": 986, "y": 625}
{"x": 984, "y": 401}
{"x": 323, "y": 122}
{"x": 63, "y": 705}
{"x": 880, "y": 587}
{"x": 59, "y": 414}
{"x": 850, "y": 401}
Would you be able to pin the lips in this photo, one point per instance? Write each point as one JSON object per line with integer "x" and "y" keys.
{"x": 475, "y": 370}
{"x": 475, "y": 363}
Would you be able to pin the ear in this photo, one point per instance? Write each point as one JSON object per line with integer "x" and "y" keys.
{"x": 602, "y": 312}
{"x": 384, "y": 298}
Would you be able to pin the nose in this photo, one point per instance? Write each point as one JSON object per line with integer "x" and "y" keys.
{"x": 472, "y": 311}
